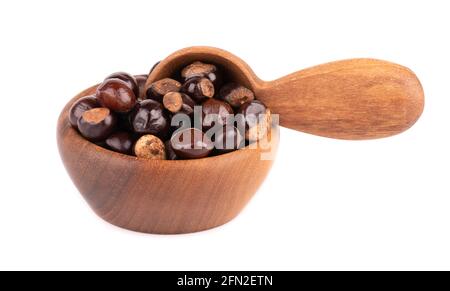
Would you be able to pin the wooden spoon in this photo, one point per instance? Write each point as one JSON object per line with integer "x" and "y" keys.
{"x": 350, "y": 99}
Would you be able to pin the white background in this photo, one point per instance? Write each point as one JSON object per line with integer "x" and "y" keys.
{"x": 327, "y": 204}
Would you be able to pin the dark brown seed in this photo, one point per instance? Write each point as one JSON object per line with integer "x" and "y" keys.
{"x": 215, "y": 111}
{"x": 255, "y": 117}
{"x": 158, "y": 89}
{"x": 116, "y": 95}
{"x": 97, "y": 124}
{"x": 191, "y": 143}
{"x": 123, "y": 122}
{"x": 149, "y": 117}
{"x": 198, "y": 88}
{"x": 79, "y": 107}
{"x": 199, "y": 69}
{"x": 127, "y": 78}
{"x": 121, "y": 142}
{"x": 235, "y": 94}
{"x": 228, "y": 139}
{"x": 141, "y": 80}
{"x": 150, "y": 147}
{"x": 170, "y": 154}
{"x": 181, "y": 120}
{"x": 178, "y": 102}
{"x": 173, "y": 101}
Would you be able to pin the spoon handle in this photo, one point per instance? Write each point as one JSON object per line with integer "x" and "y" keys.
{"x": 350, "y": 99}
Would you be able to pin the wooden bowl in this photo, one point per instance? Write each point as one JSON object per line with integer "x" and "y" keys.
{"x": 161, "y": 196}
{"x": 350, "y": 99}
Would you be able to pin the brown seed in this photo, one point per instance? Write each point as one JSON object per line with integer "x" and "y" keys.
{"x": 256, "y": 118}
{"x": 205, "y": 88}
{"x": 178, "y": 102}
{"x": 199, "y": 88}
{"x": 158, "y": 89}
{"x": 127, "y": 78}
{"x": 191, "y": 143}
{"x": 197, "y": 69}
{"x": 96, "y": 115}
{"x": 141, "y": 79}
{"x": 235, "y": 94}
{"x": 150, "y": 147}
{"x": 173, "y": 101}
{"x": 116, "y": 95}
{"x": 121, "y": 142}
{"x": 149, "y": 117}
{"x": 261, "y": 129}
{"x": 79, "y": 107}
{"x": 97, "y": 124}
{"x": 228, "y": 139}
{"x": 213, "y": 111}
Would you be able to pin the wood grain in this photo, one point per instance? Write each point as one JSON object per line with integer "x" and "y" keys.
{"x": 350, "y": 99}
{"x": 160, "y": 196}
